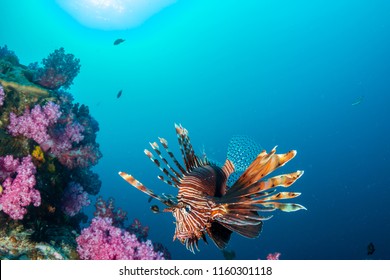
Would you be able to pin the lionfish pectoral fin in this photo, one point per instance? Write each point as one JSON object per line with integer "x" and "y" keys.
{"x": 285, "y": 207}
{"x": 138, "y": 185}
{"x": 219, "y": 234}
{"x": 263, "y": 165}
{"x": 248, "y": 231}
{"x": 241, "y": 218}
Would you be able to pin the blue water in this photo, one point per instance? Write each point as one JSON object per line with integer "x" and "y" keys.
{"x": 282, "y": 72}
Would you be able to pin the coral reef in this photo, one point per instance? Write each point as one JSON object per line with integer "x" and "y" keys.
{"x": 105, "y": 210}
{"x": 273, "y": 256}
{"x": 41, "y": 193}
{"x": 19, "y": 243}
{"x": 18, "y": 186}
{"x": 102, "y": 241}
{"x": 74, "y": 198}
{"x": 47, "y": 149}
{"x": 57, "y": 70}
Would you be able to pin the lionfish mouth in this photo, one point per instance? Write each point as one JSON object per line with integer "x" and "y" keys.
{"x": 218, "y": 200}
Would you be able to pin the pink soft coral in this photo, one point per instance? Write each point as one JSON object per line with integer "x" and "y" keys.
{"x": 34, "y": 124}
{"x": 19, "y": 190}
{"x": 102, "y": 241}
{"x": 273, "y": 256}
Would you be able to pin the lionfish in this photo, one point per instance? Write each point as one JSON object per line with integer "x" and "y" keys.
{"x": 216, "y": 200}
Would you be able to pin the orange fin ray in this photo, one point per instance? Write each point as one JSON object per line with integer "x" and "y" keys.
{"x": 138, "y": 185}
{"x": 281, "y": 195}
{"x": 156, "y": 149}
{"x": 263, "y": 165}
{"x": 285, "y": 207}
{"x": 259, "y": 189}
{"x": 228, "y": 168}
{"x": 190, "y": 159}
{"x": 162, "y": 169}
{"x": 164, "y": 143}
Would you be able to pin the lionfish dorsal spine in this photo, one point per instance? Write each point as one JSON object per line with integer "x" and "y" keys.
{"x": 164, "y": 143}
{"x": 138, "y": 185}
{"x": 191, "y": 160}
{"x": 172, "y": 177}
{"x": 156, "y": 149}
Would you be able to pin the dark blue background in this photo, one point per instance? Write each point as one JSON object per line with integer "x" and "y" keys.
{"x": 282, "y": 73}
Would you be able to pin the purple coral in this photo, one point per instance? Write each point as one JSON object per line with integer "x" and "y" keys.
{"x": 62, "y": 140}
{"x": 59, "y": 70}
{"x": 19, "y": 191}
{"x": 34, "y": 124}
{"x": 82, "y": 156}
{"x": 273, "y": 256}
{"x": 74, "y": 198}
{"x": 106, "y": 209}
{"x": 102, "y": 241}
{"x": 2, "y": 96}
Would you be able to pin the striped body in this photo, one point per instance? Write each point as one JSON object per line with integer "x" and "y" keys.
{"x": 206, "y": 205}
{"x": 196, "y": 203}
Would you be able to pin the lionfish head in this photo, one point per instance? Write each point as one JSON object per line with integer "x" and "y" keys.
{"x": 188, "y": 227}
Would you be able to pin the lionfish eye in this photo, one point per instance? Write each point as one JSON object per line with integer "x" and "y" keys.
{"x": 187, "y": 208}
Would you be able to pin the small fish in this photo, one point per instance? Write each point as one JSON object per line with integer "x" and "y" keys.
{"x": 155, "y": 209}
{"x": 119, "y": 94}
{"x": 118, "y": 41}
{"x": 207, "y": 203}
{"x": 370, "y": 249}
{"x": 150, "y": 199}
{"x": 358, "y": 101}
{"x": 51, "y": 209}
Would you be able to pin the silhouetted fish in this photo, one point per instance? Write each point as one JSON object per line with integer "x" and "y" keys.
{"x": 155, "y": 209}
{"x": 119, "y": 94}
{"x": 118, "y": 41}
{"x": 370, "y": 249}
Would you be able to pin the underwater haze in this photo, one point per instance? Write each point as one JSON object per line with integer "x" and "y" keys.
{"x": 313, "y": 76}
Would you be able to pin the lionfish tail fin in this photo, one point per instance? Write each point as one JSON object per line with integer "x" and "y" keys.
{"x": 191, "y": 160}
